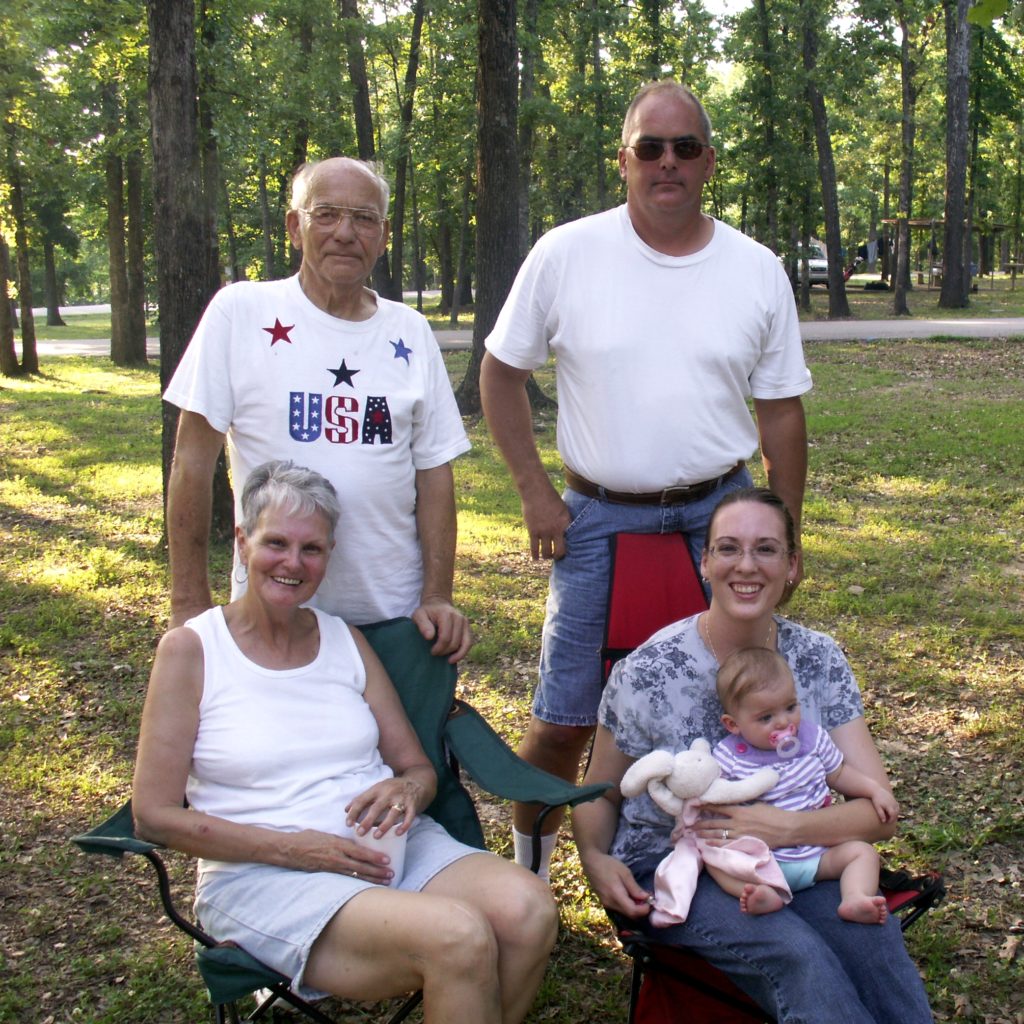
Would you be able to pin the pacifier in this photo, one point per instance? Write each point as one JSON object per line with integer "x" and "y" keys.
{"x": 785, "y": 742}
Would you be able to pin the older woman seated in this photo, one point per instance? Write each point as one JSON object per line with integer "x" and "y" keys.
{"x": 280, "y": 726}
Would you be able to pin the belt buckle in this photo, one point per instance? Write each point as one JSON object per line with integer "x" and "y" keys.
{"x": 677, "y": 494}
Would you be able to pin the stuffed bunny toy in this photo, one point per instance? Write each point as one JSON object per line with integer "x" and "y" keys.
{"x": 680, "y": 784}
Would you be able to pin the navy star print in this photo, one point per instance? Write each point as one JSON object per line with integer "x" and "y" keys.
{"x": 343, "y": 375}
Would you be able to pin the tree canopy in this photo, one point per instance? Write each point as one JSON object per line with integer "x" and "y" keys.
{"x": 798, "y": 92}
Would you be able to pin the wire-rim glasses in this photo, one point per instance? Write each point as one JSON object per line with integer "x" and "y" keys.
{"x": 364, "y": 222}
{"x": 764, "y": 553}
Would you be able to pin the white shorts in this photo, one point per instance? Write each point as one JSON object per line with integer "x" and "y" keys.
{"x": 276, "y": 914}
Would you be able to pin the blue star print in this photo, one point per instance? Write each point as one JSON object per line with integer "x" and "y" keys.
{"x": 401, "y": 352}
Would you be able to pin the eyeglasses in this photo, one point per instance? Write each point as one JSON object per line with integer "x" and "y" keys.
{"x": 685, "y": 148}
{"x": 763, "y": 553}
{"x": 364, "y": 222}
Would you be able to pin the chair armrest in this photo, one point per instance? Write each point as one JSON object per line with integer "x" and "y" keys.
{"x": 115, "y": 837}
{"x": 498, "y": 770}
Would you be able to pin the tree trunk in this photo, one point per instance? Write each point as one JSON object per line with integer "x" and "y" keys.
{"x": 266, "y": 223}
{"x": 446, "y": 266}
{"x": 229, "y": 231}
{"x": 29, "y": 355}
{"x": 185, "y": 280}
{"x": 209, "y": 160}
{"x": 50, "y": 289}
{"x": 908, "y": 70}
{"x": 463, "y": 287}
{"x": 838, "y": 306}
{"x": 771, "y": 196}
{"x": 8, "y": 356}
{"x": 136, "y": 262}
{"x": 116, "y": 255}
{"x": 956, "y": 275}
{"x": 527, "y": 122}
{"x": 597, "y": 77}
{"x": 653, "y": 59}
{"x": 353, "y": 26}
{"x": 497, "y": 252}
{"x": 402, "y": 163}
{"x": 885, "y": 273}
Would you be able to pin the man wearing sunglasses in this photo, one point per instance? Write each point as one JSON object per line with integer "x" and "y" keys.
{"x": 663, "y": 323}
{"x": 319, "y": 369}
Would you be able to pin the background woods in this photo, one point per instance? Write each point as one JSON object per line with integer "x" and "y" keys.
{"x": 853, "y": 123}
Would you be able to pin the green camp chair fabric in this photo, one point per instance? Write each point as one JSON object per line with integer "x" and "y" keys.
{"x": 426, "y": 686}
{"x": 231, "y": 974}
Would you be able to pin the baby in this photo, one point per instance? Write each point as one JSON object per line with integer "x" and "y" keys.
{"x": 762, "y": 715}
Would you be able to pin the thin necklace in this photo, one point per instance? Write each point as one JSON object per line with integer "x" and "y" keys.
{"x": 711, "y": 643}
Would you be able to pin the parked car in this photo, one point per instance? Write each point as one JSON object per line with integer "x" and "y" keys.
{"x": 817, "y": 265}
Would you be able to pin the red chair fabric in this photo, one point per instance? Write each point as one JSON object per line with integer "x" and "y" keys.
{"x": 653, "y": 582}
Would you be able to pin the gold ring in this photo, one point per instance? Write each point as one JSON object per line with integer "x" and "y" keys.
{"x": 398, "y": 807}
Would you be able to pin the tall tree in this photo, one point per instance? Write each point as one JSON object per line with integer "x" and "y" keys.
{"x": 406, "y": 97}
{"x": 838, "y": 306}
{"x": 9, "y": 365}
{"x": 908, "y": 130}
{"x": 15, "y": 179}
{"x": 185, "y": 279}
{"x": 497, "y": 207}
{"x": 956, "y": 276}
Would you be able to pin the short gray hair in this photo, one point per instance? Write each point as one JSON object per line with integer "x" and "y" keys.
{"x": 304, "y": 173}
{"x": 665, "y": 85}
{"x": 295, "y": 490}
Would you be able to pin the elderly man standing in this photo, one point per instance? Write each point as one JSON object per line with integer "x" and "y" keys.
{"x": 663, "y": 322}
{"x": 319, "y": 369}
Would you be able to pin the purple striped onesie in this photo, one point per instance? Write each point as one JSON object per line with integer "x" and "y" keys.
{"x": 801, "y": 785}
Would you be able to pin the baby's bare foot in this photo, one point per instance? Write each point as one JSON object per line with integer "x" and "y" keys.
{"x": 760, "y": 899}
{"x": 864, "y": 909}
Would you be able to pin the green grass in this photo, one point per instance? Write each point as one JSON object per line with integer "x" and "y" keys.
{"x": 914, "y": 557}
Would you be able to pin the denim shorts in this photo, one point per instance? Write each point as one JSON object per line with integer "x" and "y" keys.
{"x": 276, "y": 914}
{"x": 800, "y": 874}
{"x": 571, "y": 679}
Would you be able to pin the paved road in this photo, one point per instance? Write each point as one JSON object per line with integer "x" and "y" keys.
{"x": 811, "y": 330}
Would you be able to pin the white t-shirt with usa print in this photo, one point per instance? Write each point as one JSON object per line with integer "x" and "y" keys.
{"x": 365, "y": 403}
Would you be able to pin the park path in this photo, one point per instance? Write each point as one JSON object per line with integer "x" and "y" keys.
{"x": 810, "y": 330}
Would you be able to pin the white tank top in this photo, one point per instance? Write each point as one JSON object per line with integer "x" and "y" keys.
{"x": 283, "y": 749}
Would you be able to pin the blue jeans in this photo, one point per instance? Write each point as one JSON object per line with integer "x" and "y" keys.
{"x": 803, "y": 964}
{"x": 569, "y": 690}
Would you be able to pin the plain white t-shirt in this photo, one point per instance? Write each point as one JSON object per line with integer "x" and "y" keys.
{"x": 655, "y": 355}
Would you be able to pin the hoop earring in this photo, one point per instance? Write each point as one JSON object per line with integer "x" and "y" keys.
{"x": 241, "y": 573}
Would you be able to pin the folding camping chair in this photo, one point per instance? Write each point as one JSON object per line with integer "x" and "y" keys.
{"x": 452, "y": 734}
{"x": 654, "y": 583}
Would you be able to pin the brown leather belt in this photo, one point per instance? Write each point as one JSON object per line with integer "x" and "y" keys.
{"x": 679, "y": 495}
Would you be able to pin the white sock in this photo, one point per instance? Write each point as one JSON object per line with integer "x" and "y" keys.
{"x": 524, "y": 852}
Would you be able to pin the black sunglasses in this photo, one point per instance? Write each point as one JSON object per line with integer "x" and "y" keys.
{"x": 685, "y": 148}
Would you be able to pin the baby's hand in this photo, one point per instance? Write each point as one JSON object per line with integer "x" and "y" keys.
{"x": 885, "y": 805}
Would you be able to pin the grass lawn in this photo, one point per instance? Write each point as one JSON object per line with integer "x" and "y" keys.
{"x": 914, "y": 558}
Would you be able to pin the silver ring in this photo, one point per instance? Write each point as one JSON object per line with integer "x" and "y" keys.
{"x": 725, "y": 833}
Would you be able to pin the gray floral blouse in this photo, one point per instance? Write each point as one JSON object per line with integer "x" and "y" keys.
{"x": 662, "y": 697}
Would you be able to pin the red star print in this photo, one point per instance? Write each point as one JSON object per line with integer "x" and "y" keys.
{"x": 278, "y": 332}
